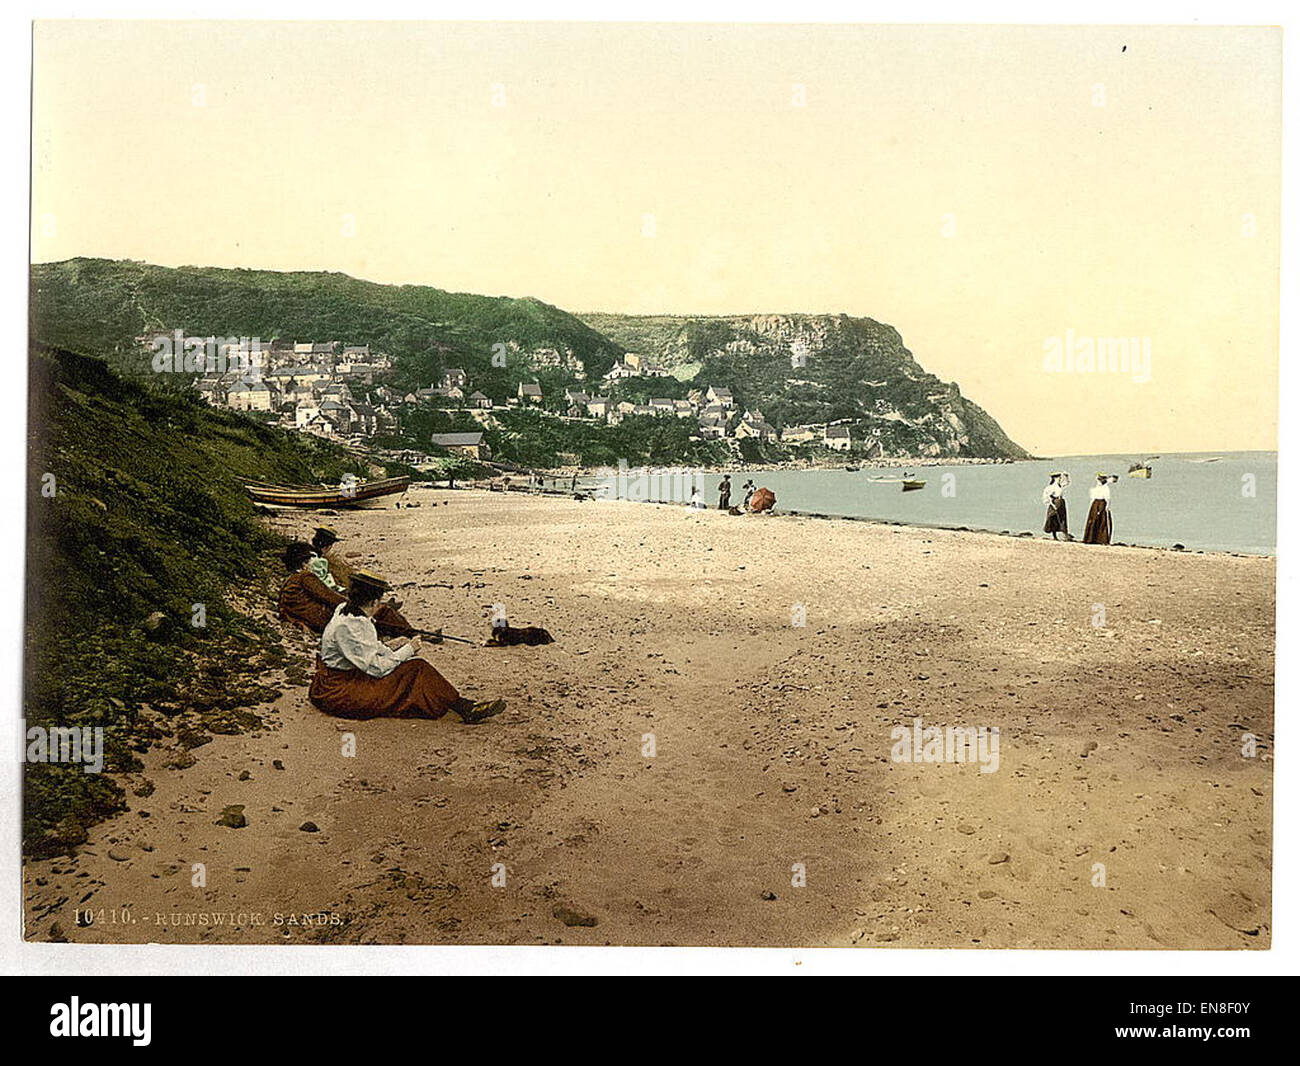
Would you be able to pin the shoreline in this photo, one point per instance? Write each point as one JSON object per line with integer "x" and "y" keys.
{"x": 826, "y": 516}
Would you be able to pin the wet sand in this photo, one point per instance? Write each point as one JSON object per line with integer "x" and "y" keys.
{"x": 1119, "y": 745}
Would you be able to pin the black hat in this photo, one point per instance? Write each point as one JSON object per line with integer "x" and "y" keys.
{"x": 327, "y": 533}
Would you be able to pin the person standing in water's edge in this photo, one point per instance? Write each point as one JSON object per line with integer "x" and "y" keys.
{"x": 724, "y": 493}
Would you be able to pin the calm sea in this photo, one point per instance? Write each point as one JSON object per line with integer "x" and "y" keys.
{"x": 1226, "y": 505}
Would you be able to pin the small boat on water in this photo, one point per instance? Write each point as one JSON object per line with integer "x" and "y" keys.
{"x": 853, "y": 469}
{"x": 1140, "y": 469}
{"x": 362, "y": 494}
{"x": 909, "y": 483}
{"x": 1214, "y": 459}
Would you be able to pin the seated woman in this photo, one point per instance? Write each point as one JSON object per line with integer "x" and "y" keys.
{"x": 307, "y": 599}
{"x": 329, "y": 564}
{"x": 357, "y": 676}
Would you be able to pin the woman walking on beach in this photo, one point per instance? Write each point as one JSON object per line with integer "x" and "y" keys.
{"x": 1054, "y": 499}
{"x": 357, "y": 676}
{"x": 724, "y": 493}
{"x": 1099, "y": 526}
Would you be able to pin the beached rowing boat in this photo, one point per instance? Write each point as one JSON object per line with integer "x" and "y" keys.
{"x": 363, "y": 494}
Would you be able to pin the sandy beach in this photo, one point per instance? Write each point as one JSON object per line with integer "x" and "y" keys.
{"x": 1122, "y": 813}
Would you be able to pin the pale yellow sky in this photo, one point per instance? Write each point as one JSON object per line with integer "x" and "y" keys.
{"x": 982, "y": 189}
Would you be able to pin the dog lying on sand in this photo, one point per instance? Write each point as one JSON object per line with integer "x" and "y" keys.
{"x": 509, "y": 636}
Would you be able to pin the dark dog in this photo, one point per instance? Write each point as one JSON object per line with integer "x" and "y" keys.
{"x": 509, "y": 636}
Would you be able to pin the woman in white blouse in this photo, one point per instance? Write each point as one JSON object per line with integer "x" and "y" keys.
{"x": 358, "y": 676}
{"x": 1099, "y": 527}
{"x": 1058, "y": 520}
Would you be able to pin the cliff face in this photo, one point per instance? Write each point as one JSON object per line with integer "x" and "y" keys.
{"x": 813, "y": 369}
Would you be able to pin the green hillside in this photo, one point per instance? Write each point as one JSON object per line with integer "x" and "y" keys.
{"x": 135, "y": 514}
{"x": 101, "y": 306}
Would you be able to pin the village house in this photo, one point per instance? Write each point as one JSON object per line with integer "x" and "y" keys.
{"x": 470, "y": 444}
{"x": 339, "y": 415}
{"x": 661, "y": 407}
{"x": 255, "y": 397}
{"x": 755, "y": 428}
{"x": 620, "y": 370}
{"x": 304, "y": 413}
{"x": 721, "y": 397}
{"x": 455, "y": 378}
{"x": 365, "y": 419}
{"x": 683, "y": 408}
{"x": 838, "y": 438}
{"x": 800, "y": 434}
{"x": 712, "y": 428}
{"x": 598, "y": 407}
{"x": 311, "y": 374}
{"x": 477, "y": 399}
{"x": 531, "y": 393}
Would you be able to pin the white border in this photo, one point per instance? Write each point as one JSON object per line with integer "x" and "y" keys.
{"x": 75, "y": 959}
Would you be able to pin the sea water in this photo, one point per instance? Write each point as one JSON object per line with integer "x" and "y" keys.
{"x": 1229, "y": 504}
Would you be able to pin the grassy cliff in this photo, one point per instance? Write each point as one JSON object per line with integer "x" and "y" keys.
{"x": 135, "y": 517}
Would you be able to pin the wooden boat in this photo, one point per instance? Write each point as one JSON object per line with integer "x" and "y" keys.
{"x": 909, "y": 483}
{"x": 853, "y": 469}
{"x": 365, "y": 494}
{"x": 1140, "y": 470}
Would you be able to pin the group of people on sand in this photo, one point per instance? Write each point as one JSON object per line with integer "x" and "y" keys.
{"x": 1099, "y": 526}
{"x": 756, "y": 499}
{"x": 368, "y": 664}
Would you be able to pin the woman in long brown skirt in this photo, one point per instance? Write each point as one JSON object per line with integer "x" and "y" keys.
{"x": 358, "y": 676}
{"x": 306, "y": 599}
{"x": 1099, "y": 526}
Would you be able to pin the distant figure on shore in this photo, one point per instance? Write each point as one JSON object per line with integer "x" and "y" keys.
{"x": 357, "y": 676}
{"x": 1054, "y": 499}
{"x": 696, "y": 503}
{"x": 724, "y": 493}
{"x": 328, "y": 565}
{"x": 1100, "y": 522}
{"x": 305, "y": 598}
{"x": 749, "y": 493}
